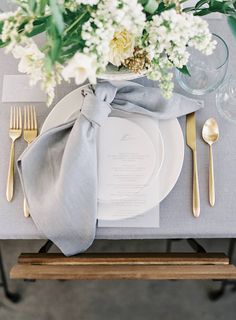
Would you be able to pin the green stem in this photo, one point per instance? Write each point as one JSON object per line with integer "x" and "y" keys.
{"x": 75, "y": 22}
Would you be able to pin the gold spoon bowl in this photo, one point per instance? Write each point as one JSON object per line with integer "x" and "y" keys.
{"x": 210, "y": 134}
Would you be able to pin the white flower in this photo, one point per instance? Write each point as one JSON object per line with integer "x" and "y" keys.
{"x": 73, "y": 5}
{"x": 32, "y": 64}
{"x": 6, "y": 15}
{"x": 169, "y": 35}
{"x": 81, "y": 67}
{"x": 111, "y": 17}
{"x": 121, "y": 47}
{"x": 50, "y": 79}
{"x": 11, "y": 21}
{"x": 31, "y": 60}
{"x": 89, "y": 2}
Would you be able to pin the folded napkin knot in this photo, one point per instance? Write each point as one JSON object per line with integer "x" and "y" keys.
{"x": 63, "y": 199}
{"x": 96, "y": 104}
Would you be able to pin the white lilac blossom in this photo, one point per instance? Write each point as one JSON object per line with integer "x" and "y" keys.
{"x": 10, "y": 34}
{"x": 88, "y": 2}
{"x": 32, "y": 63}
{"x": 168, "y": 37}
{"x": 73, "y": 5}
{"x": 50, "y": 79}
{"x": 31, "y": 60}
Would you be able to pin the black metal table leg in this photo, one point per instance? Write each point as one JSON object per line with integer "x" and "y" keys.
{"x": 192, "y": 243}
{"x": 44, "y": 249}
{"x": 13, "y": 297}
{"x": 196, "y": 246}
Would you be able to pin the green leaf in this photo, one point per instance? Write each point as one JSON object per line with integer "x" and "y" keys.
{"x": 1, "y": 26}
{"x": 48, "y": 63}
{"x": 143, "y": 2}
{"x": 189, "y": 9}
{"x": 75, "y": 25}
{"x": 202, "y": 12}
{"x": 37, "y": 29}
{"x": 32, "y": 5}
{"x": 232, "y": 24}
{"x": 201, "y": 3}
{"x": 3, "y": 44}
{"x": 54, "y": 41}
{"x": 184, "y": 70}
{"x": 57, "y": 15}
{"x": 41, "y": 6}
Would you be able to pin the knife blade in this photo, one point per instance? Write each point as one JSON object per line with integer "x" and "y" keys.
{"x": 191, "y": 142}
{"x": 191, "y": 130}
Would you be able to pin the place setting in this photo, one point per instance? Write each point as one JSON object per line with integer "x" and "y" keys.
{"x": 110, "y": 152}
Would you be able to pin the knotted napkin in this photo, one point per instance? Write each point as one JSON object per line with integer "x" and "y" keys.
{"x": 59, "y": 170}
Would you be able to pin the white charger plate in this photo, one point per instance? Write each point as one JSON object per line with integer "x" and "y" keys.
{"x": 170, "y": 131}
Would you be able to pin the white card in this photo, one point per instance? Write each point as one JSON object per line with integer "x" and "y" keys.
{"x": 126, "y": 164}
{"x": 16, "y": 88}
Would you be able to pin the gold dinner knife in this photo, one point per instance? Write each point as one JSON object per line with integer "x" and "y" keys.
{"x": 191, "y": 142}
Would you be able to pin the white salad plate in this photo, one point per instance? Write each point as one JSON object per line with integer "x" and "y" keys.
{"x": 167, "y": 139}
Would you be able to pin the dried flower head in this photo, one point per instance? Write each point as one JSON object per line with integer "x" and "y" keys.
{"x": 138, "y": 62}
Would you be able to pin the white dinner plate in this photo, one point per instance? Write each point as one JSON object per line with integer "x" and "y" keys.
{"x": 171, "y": 134}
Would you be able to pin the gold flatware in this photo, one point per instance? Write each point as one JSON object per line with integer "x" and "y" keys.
{"x": 15, "y": 132}
{"x": 210, "y": 134}
{"x": 191, "y": 142}
{"x": 30, "y": 134}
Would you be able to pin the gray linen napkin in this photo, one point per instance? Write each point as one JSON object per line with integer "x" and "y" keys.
{"x": 59, "y": 170}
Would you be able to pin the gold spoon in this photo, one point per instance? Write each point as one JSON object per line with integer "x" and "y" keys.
{"x": 210, "y": 134}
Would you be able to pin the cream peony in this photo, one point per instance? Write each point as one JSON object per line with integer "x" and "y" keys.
{"x": 121, "y": 47}
{"x": 81, "y": 67}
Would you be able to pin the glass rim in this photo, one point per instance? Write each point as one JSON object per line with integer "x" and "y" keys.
{"x": 227, "y": 50}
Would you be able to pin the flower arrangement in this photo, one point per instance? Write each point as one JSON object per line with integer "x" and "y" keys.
{"x": 81, "y": 37}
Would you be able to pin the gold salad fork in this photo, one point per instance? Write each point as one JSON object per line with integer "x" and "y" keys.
{"x": 15, "y": 132}
{"x": 30, "y": 134}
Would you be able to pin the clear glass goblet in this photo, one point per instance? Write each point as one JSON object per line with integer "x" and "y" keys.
{"x": 226, "y": 99}
{"x": 207, "y": 72}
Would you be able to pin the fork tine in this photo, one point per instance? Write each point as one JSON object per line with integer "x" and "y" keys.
{"x": 35, "y": 119}
{"x": 31, "y": 118}
{"x": 11, "y": 118}
{"x": 14, "y": 117}
{"x": 20, "y": 119}
{"x": 24, "y": 118}
{"x": 17, "y": 118}
{"x": 28, "y": 118}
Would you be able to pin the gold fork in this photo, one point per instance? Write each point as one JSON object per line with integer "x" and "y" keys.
{"x": 15, "y": 132}
{"x": 30, "y": 134}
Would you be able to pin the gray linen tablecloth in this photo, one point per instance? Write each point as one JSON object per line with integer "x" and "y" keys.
{"x": 176, "y": 220}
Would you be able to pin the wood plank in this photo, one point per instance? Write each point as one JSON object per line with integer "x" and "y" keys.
{"x": 57, "y": 259}
{"x": 112, "y": 272}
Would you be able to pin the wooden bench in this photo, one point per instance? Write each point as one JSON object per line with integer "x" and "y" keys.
{"x": 110, "y": 266}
